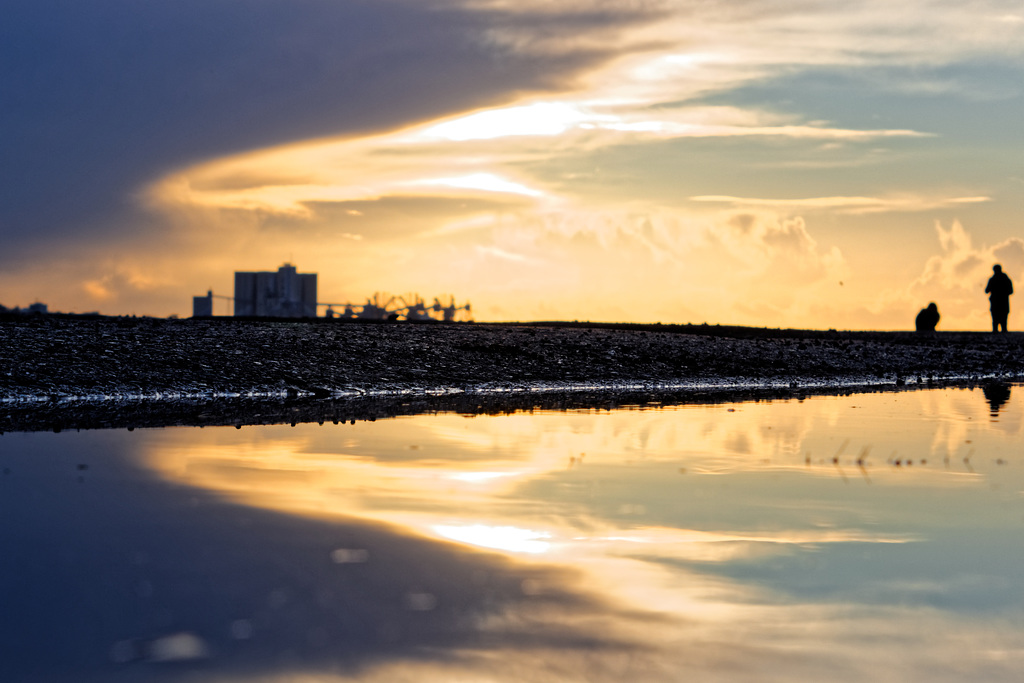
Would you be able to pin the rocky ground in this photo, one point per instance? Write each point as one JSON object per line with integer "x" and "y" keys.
{"x": 65, "y": 372}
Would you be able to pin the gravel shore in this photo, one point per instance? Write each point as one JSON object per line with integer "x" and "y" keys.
{"x": 77, "y": 372}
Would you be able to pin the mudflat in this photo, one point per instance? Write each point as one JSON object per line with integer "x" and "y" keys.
{"x": 78, "y": 372}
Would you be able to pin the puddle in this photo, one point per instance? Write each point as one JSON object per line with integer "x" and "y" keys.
{"x": 841, "y": 538}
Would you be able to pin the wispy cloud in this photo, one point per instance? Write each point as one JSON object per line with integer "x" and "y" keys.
{"x": 851, "y": 205}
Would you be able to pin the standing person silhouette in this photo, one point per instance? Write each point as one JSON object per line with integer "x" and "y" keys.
{"x": 999, "y": 289}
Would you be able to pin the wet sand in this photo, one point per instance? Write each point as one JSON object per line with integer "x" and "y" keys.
{"x": 65, "y": 372}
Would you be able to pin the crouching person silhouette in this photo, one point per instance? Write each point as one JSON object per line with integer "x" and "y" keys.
{"x": 999, "y": 289}
{"x": 927, "y": 319}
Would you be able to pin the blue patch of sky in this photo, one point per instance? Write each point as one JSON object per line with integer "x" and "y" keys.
{"x": 971, "y": 113}
{"x": 978, "y": 102}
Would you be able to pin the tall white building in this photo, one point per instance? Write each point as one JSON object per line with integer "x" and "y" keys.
{"x": 284, "y": 294}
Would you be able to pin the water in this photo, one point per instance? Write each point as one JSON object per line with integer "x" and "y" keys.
{"x": 873, "y": 537}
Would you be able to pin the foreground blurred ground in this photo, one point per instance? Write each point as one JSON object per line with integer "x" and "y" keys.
{"x": 57, "y": 371}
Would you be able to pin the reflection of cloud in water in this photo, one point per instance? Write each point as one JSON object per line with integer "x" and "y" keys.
{"x": 118, "y": 573}
{"x": 498, "y": 537}
{"x": 664, "y": 554}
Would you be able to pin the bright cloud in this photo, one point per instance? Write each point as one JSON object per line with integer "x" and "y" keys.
{"x": 539, "y": 118}
{"x": 955, "y": 278}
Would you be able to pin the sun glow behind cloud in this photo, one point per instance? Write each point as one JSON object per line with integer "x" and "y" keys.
{"x": 539, "y": 118}
{"x": 486, "y": 182}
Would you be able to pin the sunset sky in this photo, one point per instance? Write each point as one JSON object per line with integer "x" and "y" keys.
{"x": 782, "y": 164}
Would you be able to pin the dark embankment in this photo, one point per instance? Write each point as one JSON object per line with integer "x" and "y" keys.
{"x": 63, "y": 372}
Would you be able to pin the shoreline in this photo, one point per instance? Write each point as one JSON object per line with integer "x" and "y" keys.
{"x": 69, "y": 373}
{"x": 238, "y": 412}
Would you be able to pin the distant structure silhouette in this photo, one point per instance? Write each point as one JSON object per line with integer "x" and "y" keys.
{"x": 927, "y": 319}
{"x": 999, "y": 289}
{"x": 284, "y": 294}
{"x": 202, "y": 306}
{"x": 38, "y": 308}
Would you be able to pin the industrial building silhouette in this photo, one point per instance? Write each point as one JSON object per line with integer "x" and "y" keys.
{"x": 284, "y": 294}
{"x": 290, "y": 294}
{"x": 267, "y": 294}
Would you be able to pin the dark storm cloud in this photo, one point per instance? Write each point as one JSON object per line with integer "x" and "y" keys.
{"x": 101, "y": 97}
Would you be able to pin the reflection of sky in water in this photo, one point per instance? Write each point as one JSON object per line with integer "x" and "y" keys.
{"x": 872, "y": 537}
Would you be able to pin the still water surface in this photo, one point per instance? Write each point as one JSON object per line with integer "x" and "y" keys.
{"x": 873, "y": 537}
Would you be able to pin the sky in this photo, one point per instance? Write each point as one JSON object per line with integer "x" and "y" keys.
{"x": 785, "y": 164}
